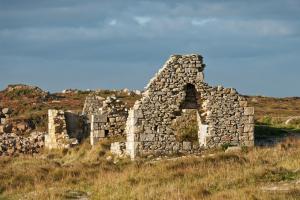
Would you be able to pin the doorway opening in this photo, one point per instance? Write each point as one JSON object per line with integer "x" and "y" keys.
{"x": 188, "y": 125}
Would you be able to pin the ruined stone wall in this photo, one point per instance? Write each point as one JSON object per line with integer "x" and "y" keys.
{"x": 92, "y": 105}
{"x": 75, "y": 125}
{"x": 58, "y": 137}
{"x": 109, "y": 121}
{"x": 223, "y": 115}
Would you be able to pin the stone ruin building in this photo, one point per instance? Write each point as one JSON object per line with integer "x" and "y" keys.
{"x": 100, "y": 118}
{"x": 176, "y": 92}
{"x": 222, "y": 114}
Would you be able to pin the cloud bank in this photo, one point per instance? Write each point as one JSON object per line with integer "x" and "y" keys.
{"x": 253, "y": 46}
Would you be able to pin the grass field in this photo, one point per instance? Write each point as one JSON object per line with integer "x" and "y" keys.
{"x": 87, "y": 172}
{"x": 92, "y": 173}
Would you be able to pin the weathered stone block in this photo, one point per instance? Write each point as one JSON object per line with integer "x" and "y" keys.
{"x": 243, "y": 103}
{"x": 176, "y": 147}
{"x": 147, "y": 137}
{"x": 2, "y": 120}
{"x": 99, "y": 133}
{"x": 118, "y": 148}
{"x": 249, "y": 111}
{"x": 249, "y": 128}
{"x": 6, "y": 111}
{"x": 7, "y": 128}
{"x": 112, "y": 120}
{"x": 100, "y": 118}
{"x": 22, "y": 126}
{"x": 187, "y": 146}
{"x": 251, "y": 120}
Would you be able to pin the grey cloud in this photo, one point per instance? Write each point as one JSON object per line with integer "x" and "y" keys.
{"x": 140, "y": 35}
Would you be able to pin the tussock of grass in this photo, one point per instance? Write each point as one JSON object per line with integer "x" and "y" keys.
{"x": 86, "y": 171}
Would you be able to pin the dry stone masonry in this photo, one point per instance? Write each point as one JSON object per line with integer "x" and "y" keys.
{"x": 58, "y": 137}
{"x": 109, "y": 120}
{"x": 222, "y": 114}
{"x": 100, "y": 118}
{"x": 12, "y": 144}
{"x": 178, "y": 114}
{"x": 92, "y": 105}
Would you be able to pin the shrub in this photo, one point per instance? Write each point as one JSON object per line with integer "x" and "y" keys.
{"x": 267, "y": 120}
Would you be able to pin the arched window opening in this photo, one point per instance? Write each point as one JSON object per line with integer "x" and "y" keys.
{"x": 190, "y": 100}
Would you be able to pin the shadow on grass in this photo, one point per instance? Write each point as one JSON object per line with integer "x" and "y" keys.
{"x": 267, "y": 135}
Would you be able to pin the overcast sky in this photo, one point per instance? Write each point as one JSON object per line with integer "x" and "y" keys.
{"x": 253, "y": 46}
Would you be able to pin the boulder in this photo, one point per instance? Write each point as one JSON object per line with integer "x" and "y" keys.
{"x": 7, "y": 128}
{"x": 23, "y": 126}
{"x": 137, "y": 92}
{"x": 2, "y": 120}
{"x": 125, "y": 90}
{"x": 6, "y": 111}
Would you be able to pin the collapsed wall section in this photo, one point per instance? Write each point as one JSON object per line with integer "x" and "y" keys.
{"x": 92, "y": 105}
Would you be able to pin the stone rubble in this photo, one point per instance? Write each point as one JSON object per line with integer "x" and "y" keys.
{"x": 4, "y": 116}
{"x": 12, "y": 144}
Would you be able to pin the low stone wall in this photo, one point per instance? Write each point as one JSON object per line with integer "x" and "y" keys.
{"x": 12, "y": 144}
{"x": 92, "y": 105}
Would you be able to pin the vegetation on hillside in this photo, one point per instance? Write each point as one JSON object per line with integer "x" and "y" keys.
{"x": 31, "y": 103}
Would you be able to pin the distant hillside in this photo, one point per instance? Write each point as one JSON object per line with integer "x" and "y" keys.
{"x": 275, "y": 107}
{"x": 32, "y": 103}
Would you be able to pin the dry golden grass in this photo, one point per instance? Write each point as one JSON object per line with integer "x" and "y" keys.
{"x": 86, "y": 171}
{"x": 274, "y": 107}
